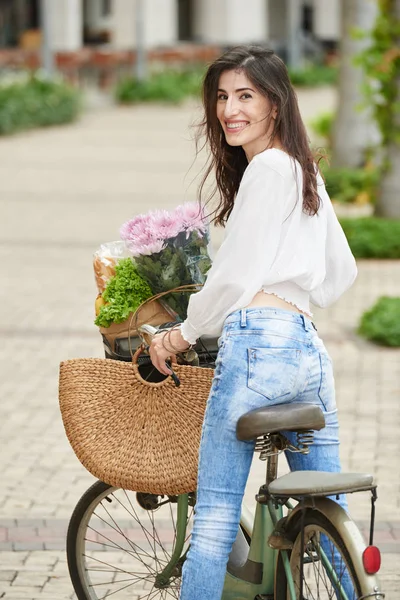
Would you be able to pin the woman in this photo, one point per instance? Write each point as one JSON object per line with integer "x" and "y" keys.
{"x": 283, "y": 248}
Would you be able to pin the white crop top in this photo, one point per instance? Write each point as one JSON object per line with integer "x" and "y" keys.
{"x": 271, "y": 245}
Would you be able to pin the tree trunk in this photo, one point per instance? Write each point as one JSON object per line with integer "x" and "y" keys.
{"x": 388, "y": 204}
{"x": 354, "y": 130}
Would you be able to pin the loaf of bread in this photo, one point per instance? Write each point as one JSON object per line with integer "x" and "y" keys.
{"x": 104, "y": 261}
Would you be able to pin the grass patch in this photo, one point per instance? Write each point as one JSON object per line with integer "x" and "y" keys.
{"x": 381, "y": 324}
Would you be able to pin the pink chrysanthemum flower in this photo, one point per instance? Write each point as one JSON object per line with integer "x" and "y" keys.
{"x": 192, "y": 217}
{"x": 152, "y": 247}
{"x": 134, "y": 227}
{"x": 147, "y": 233}
{"x": 164, "y": 224}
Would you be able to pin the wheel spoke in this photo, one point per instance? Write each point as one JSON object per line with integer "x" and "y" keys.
{"x": 328, "y": 568}
{"x": 123, "y": 543}
{"x": 130, "y": 552}
{"x": 147, "y": 533}
{"x": 131, "y": 579}
{"x": 114, "y": 568}
{"x": 130, "y": 543}
{"x": 118, "y": 547}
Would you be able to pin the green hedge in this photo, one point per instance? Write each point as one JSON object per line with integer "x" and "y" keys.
{"x": 168, "y": 86}
{"x": 347, "y": 185}
{"x": 381, "y": 324}
{"x": 173, "y": 86}
{"x": 322, "y": 126}
{"x": 33, "y": 101}
{"x": 373, "y": 237}
{"x": 314, "y": 75}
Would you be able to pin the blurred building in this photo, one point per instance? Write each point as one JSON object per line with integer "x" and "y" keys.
{"x": 167, "y": 22}
{"x": 99, "y": 36}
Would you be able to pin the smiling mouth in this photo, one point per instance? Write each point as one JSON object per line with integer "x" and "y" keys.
{"x": 236, "y": 127}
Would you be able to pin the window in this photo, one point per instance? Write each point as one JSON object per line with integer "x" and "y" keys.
{"x": 105, "y": 8}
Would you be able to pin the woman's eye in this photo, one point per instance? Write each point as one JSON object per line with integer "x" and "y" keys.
{"x": 221, "y": 96}
{"x": 245, "y": 96}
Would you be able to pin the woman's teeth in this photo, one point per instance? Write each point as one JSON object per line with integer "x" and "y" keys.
{"x": 236, "y": 125}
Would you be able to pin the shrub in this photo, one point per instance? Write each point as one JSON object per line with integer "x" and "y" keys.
{"x": 323, "y": 127}
{"x": 167, "y": 86}
{"x": 33, "y": 101}
{"x": 381, "y": 324}
{"x": 373, "y": 237}
{"x": 352, "y": 185}
{"x": 314, "y": 75}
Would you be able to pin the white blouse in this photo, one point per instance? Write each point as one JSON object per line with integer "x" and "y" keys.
{"x": 271, "y": 245}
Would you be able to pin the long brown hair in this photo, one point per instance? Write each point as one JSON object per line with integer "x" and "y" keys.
{"x": 270, "y": 76}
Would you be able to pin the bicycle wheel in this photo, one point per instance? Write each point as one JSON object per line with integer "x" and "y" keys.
{"x": 328, "y": 570}
{"x": 119, "y": 541}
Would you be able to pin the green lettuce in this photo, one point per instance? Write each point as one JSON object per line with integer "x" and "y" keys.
{"x": 123, "y": 294}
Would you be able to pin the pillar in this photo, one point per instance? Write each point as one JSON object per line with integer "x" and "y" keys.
{"x": 230, "y": 22}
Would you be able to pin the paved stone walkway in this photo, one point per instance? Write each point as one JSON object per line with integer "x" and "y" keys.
{"x": 65, "y": 190}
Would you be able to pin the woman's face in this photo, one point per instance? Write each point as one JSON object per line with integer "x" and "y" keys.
{"x": 246, "y": 116}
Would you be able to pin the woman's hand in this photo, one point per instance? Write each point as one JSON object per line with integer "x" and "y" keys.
{"x": 164, "y": 346}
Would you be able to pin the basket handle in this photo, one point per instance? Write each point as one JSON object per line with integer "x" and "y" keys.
{"x": 135, "y": 366}
{"x": 190, "y": 287}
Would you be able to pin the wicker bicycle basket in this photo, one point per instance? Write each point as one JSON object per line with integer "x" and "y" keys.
{"x": 132, "y": 433}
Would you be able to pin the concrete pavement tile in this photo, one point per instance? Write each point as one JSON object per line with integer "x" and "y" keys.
{"x": 56, "y": 545}
{"x": 390, "y": 548}
{"x": 28, "y": 578}
{"x": 24, "y": 522}
{"x": 40, "y": 558}
{"x": 31, "y": 545}
{"x": 7, "y": 575}
{"x": 9, "y": 557}
{"x": 22, "y": 591}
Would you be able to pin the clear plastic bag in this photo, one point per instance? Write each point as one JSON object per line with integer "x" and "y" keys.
{"x": 104, "y": 261}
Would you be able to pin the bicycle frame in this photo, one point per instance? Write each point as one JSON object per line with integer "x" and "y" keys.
{"x": 243, "y": 582}
{"x": 251, "y": 566}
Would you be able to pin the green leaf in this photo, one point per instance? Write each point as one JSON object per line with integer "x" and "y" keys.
{"x": 123, "y": 294}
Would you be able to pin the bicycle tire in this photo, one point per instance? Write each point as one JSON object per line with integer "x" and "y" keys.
{"x": 315, "y": 575}
{"x": 102, "y": 545}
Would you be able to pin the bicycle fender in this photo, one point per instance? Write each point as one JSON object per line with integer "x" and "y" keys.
{"x": 351, "y": 536}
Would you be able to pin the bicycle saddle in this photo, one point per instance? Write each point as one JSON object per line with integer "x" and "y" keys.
{"x": 271, "y": 419}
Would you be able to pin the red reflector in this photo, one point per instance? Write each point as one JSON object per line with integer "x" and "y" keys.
{"x": 371, "y": 559}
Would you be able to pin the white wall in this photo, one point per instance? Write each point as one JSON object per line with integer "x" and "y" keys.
{"x": 66, "y": 24}
{"x": 123, "y": 24}
{"x": 160, "y": 18}
{"x": 230, "y": 21}
{"x": 161, "y": 21}
{"x": 327, "y": 19}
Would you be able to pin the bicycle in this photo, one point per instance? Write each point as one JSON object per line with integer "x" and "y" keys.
{"x": 124, "y": 544}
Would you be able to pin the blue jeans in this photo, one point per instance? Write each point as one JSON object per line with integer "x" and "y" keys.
{"x": 267, "y": 356}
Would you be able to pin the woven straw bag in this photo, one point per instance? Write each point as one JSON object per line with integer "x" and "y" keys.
{"x": 132, "y": 433}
